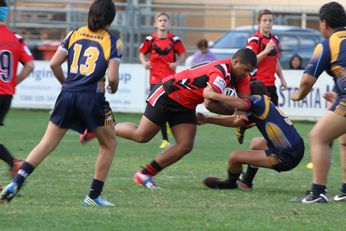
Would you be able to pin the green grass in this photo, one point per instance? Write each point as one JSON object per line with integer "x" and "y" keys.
{"x": 51, "y": 198}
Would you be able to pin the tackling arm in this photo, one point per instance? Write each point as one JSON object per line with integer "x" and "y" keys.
{"x": 306, "y": 84}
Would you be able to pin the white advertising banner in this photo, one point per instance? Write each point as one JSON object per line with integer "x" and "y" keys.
{"x": 41, "y": 89}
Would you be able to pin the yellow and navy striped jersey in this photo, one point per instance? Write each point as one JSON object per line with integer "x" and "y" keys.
{"x": 330, "y": 56}
{"x": 274, "y": 125}
{"x": 88, "y": 54}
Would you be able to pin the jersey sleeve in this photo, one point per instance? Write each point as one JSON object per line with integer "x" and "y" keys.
{"x": 115, "y": 51}
{"x": 253, "y": 44}
{"x": 319, "y": 60}
{"x": 178, "y": 45}
{"x": 145, "y": 46}
{"x": 64, "y": 44}
{"x": 25, "y": 54}
{"x": 217, "y": 80}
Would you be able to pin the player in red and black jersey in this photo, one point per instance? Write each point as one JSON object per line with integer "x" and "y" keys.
{"x": 266, "y": 46}
{"x": 166, "y": 52}
{"x": 12, "y": 51}
{"x": 175, "y": 100}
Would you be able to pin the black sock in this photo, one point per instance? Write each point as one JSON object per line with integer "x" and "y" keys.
{"x": 23, "y": 173}
{"x": 343, "y": 188}
{"x": 233, "y": 177}
{"x": 96, "y": 188}
{"x": 164, "y": 131}
{"x": 151, "y": 169}
{"x": 250, "y": 174}
{"x": 318, "y": 189}
{"x": 6, "y": 156}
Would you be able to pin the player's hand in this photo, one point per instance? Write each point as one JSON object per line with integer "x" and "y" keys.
{"x": 110, "y": 89}
{"x": 147, "y": 65}
{"x": 201, "y": 119}
{"x": 330, "y": 96}
{"x": 270, "y": 46}
{"x": 208, "y": 92}
{"x": 295, "y": 96}
{"x": 173, "y": 66}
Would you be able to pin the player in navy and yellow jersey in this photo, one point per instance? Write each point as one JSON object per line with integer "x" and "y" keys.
{"x": 281, "y": 148}
{"x": 12, "y": 51}
{"x": 81, "y": 104}
{"x": 165, "y": 52}
{"x": 175, "y": 101}
{"x": 329, "y": 56}
{"x": 266, "y": 45}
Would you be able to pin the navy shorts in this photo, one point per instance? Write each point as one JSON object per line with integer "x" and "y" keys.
{"x": 288, "y": 158}
{"x": 5, "y": 103}
{"x": 168, "y": 110}
{"x": 82, "y": 110}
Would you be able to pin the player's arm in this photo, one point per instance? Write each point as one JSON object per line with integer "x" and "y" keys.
{"x": 305, "y": 86}
{"x": 113, "y": 76}
{"x": 230, "y": 101}
{"x": 25, "y": 72}
{"x": 143, "y": 60}
{"x": 222, "y": 120}
{"x": 280, "y": 74}
{"x": 55, "y": 64}
{"x": 218, "y": 107}
{"x": 313, "y": 70}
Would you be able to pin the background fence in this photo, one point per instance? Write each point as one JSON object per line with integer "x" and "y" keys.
{"x": 45, "y": 23}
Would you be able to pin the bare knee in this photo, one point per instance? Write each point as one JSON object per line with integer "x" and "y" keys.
{"x": 142, "y": 139}
{"x": 184, "y": 148}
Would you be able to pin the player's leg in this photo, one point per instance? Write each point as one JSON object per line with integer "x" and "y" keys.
{"x": 165, "y": 143}
{"x": 48, "y": 143}
{"x": 329, "y": 126}
{"x": 237, "y": 159}
{"x": 246, "y": 179}
{"x": 342, "y": 147}
{"x": 141, "y": 133}
{"x": 107, "y": 145}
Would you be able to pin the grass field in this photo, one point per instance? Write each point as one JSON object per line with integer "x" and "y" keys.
{"x": 51, "y": 198}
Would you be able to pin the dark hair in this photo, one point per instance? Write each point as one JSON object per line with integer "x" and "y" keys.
{"x": 300, "y": 62}
{"x": 246, "y": 56}
{"x": 3, "y": 3}
{"x": 101, "y": 14}
{"x": 263, "y": 12}
{"x": 334, "y": 14}
{"x": 257, "y": 87}
{"x": 203, "y": 43}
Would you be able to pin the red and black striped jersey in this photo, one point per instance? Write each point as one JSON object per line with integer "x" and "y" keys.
{"x": 266, "y": 69}
{"x": 12, "y": 50}
{"x": 162, "y": 52}
{"x": 186, "y": 87}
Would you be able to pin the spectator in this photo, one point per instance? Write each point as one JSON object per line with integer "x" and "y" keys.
{"x": 201, "y": 55}
{"x": 296, "y": 62}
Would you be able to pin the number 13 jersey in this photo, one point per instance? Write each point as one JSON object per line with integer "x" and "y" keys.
{"x": 88, "y": 53}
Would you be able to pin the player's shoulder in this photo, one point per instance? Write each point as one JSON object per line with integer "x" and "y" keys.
{"x": 173, "y": 37}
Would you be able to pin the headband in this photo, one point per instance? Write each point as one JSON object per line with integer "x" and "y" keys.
{"x": 3, "y": 13}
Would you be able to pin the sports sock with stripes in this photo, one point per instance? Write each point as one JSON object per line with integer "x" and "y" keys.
{"x": 151, "y": 169}
{"x": 95, "y": 188}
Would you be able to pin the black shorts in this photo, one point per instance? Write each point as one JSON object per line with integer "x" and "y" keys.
{"x": 288, "y": 158}
{"x": 5, "y": 103}
{"x": 82, "y": 110}
{"x": 168, "y": 110}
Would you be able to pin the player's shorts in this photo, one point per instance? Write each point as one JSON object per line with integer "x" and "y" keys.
{"x": 339, "y": 106}
{"x": 5, "y": 103}
{"x": 166, "y": 109}
{"x": 288, "y": 158}
{"x": 82, "y": 110}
